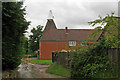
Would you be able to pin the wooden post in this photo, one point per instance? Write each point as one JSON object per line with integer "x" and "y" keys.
{"x": 53, "y": 57}
{"x": 119, "y": 63}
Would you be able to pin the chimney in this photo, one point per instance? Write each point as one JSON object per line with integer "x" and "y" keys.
{"x": 66, "y": 29}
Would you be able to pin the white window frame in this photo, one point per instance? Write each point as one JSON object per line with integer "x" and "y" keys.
{"x": 72, "y": 43}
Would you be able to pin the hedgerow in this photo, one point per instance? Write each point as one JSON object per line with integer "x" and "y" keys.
{"x": 87, "y": 63}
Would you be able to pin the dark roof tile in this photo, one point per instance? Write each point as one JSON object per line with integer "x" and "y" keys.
{"x": 54, "y": 34}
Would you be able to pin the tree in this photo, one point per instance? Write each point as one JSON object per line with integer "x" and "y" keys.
{"x": 26, "y": 45}
{"x": 13, "y": 26}
{"x": 34, "y": 38}
{"x": 110, "y": 31}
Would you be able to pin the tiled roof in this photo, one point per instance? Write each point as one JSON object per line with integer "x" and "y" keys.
{"x": 54, "y": 34}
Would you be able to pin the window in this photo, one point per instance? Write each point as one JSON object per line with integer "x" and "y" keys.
{"x": 72, "y": 43}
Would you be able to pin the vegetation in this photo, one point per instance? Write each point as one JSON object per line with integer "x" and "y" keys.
{"x": 58, "y": 70}
{"x": 63, "y": 50}
{"x": 87, "y": 63}
{"x": 33, "y": 55}
{"x": 13, "y": 41}
{"x": 42, "y": 61}
{"x": 26, "y": 45}
{"x": 34, "y": 38}
{"x": 29, "y": 56}
{"x": 110, "y": 30}
{"x": 93, "y": 62}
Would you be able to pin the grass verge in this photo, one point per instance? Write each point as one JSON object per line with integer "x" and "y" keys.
{"x": 42, "y": 61}
{"x": 58, "y": 70}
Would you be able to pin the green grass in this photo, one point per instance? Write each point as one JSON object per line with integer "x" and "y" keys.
{"x": 58, "y": 70}
{"x": 42, "y": 61}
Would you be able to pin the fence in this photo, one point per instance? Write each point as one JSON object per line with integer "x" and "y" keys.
{"x": 113, "y": 55}
{"x": 61, "y": 58}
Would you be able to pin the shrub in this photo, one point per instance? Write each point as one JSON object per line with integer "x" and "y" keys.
{"x": 35, "y": 53}
{"x": 63, "y": 50}
{"x": 38, "y": 55}
{"x": 77, "y": 60}
{"x": 87, "y": 63}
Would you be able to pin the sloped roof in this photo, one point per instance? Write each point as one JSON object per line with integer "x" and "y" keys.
{"x": 54, "y": 34}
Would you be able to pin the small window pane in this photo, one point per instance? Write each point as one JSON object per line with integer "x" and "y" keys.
{"x": 72, "y": 43}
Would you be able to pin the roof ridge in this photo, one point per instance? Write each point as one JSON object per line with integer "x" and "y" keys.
{"x": 76, "y": 29}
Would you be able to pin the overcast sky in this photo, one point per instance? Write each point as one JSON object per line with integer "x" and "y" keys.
{"x": 73, "y": 14}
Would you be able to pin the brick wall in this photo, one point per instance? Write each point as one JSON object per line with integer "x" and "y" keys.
{"x": 46, "y": 47}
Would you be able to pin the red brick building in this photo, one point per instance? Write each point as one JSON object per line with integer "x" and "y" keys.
{"x": 54, "y": 39}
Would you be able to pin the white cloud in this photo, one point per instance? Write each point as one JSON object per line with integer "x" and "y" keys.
{"x": 70, "y": 13}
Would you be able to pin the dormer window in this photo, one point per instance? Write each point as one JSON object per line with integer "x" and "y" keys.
{"x": 72, "y": 43}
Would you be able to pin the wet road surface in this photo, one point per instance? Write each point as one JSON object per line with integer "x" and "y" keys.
{"x": 30, "y": 70}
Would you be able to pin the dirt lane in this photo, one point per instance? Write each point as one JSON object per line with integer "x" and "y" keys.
{"x": 30, "y": 70}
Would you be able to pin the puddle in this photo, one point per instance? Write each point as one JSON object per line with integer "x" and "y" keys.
{"x": 26, "y": 71}
{"x": 29, "y": 70}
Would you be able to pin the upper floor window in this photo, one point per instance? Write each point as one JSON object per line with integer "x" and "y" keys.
{"x": 72, "y": 43}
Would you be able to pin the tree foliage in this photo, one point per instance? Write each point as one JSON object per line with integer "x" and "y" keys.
{"x": 110, "y": 30}
{"x": 13, "y": 26}
{"x": 34, "y": 38}
{"x": 91, "y": 62}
